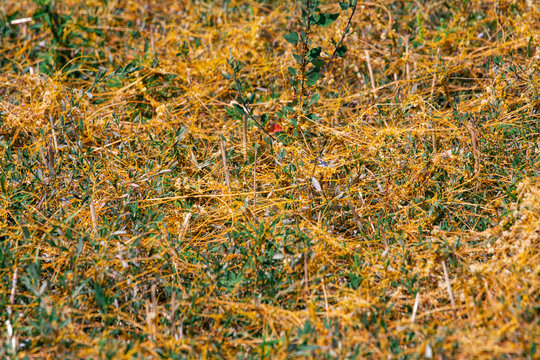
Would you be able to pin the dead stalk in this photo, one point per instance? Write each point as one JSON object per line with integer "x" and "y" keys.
{"x": 50, "y": 155}
{"x": 434, "y": 80}
{"x": 154, "y": 299}
{"x": 244, "y": 136}
{"x": 415, "y": 307}
{"x": 433, "y": 137}
{"x": 325, "y": 299}
{"x": 448, "y": 285}
{"x": 93, "y": 214}
{"x": 174, "y": 306}
{"x": 371, "y": 77}
{"x": 152, "y": 40}
{"x": 184, "y": 227}
{"x": 53, "y": 132}
{"x": 255, "y": 178}
{"x": 355, "y": 215}
{"x": 306, "y": 273}
{"x": 13, "y": 289}
{"x": 474, "y": 145}
{"x": 407, "y": 65}
{"x": 225, "y": 166}
{"x": 149, "y": 319}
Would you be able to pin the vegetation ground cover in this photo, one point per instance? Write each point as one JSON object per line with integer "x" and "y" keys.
{"x": 163, "y": 194}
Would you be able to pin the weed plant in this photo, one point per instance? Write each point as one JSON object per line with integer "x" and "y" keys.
{"x": 269, "y": 179}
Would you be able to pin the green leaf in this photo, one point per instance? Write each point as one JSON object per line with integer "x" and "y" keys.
{"x": 318, "y": 63}
{"x": 312, "y": 79}
{"x": 344, "y": 5}
{"x": 292, "y": 38}
{"x": 341, "y": 51}
{"x": 314, "y": 99}
{"x": 47, "y": 18}
{"x": 315, "y": 52}
{"x": 293, "y": 122}
{"x": 287, "y": 109}
{"x": 292, "y": 71}
{"x": 313, "y": 117}
{"x": 326, "y": 19}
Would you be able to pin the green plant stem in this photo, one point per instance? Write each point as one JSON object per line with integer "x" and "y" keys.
{"x": 334, "y": 53}
{"x": 305, "y": 44}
